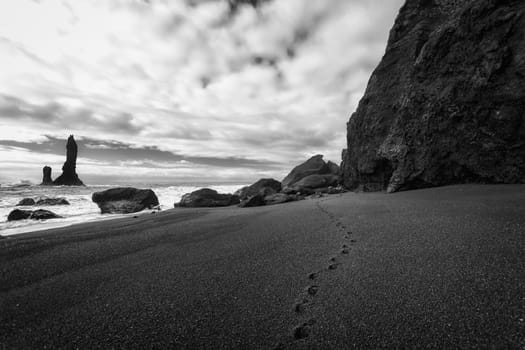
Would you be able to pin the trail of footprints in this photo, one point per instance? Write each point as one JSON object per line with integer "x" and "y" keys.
{"x": 304, "y": 329}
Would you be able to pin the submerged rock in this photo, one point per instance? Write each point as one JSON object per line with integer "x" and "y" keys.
{"x": 69, "y": 175}
{"x": 26, "y": 202}
{"x": 46, "y": 178}
{"x": 206, "y": 197}
{"x": 42, "y": 214}
{"x": 52, "y": 201}
{"x": 446, "y": 104}
{"x": 123, "y": 200}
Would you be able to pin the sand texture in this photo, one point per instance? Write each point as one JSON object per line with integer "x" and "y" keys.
{"x": 435, "y": 268}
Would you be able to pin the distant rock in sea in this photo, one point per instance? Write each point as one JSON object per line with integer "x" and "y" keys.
{"x": 206, "y": 197}
{"x": 39, "y": 214}
{"x": 42, "y": 201}
{"x": 52, "y": 201}
{"x": 46, "y": 178}
{"x": 26, "y": 202}
{"x": 69, "y": 175}
{"x": 446, "y": 104}
{"x": 123, "y": 200}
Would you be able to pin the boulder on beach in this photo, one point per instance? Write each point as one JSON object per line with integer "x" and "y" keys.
{"x": 264, "y": 187}
{"x": 316, "y": 181}
{"x": 253, "y": 201}
{"x": 279, "y": 198}
{"x": 46, "y": 178}
{"x": 313, "y": 166}
{"x": 311, "y": 183}
{"x": 69, "y": 175}
{"x": 52, "y": 201}
{"x": 39, "y": 214}
{"x": 123, "y": 200}
{"x": 206, "y": 197}
{"x": 26, "y": 202}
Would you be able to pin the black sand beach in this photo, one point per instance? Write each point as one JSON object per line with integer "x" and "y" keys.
{"x": 435, "y": 268}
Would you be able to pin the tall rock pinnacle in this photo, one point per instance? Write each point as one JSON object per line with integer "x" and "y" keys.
{"x": 446, "y": 104}
{"x": 46, "y": 179}
{"x": 69, "y": 175}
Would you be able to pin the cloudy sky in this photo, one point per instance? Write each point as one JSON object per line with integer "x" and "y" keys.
{"x": 182, "y": 90}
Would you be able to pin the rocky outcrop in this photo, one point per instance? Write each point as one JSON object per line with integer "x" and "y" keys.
{"x": 46, "y": 179}
{"x": 206, "y": 197}
{"x": 26, "y": 202}
{"x": 124, "y": 200}
{"x": 39, "y": 214}
{"x": 69, "y": 175}
{"x": 446, "y": 104}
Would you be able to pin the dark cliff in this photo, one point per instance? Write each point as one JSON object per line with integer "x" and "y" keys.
{"x": 447, "y": 102}
{"x": 69, "y": 175}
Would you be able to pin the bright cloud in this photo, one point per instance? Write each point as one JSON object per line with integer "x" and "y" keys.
{"x": 201, "y": 79}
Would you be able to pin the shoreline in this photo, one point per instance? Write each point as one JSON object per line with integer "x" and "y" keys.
{"x": 412, "y": 269}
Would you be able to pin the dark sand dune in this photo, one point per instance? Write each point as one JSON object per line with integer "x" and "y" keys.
{"x": 435, "y": 268}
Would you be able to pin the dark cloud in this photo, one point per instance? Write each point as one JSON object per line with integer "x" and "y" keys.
{"x": 64, "y": 117}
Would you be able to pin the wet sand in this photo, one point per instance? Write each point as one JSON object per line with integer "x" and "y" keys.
{"x": 435, "y": 268}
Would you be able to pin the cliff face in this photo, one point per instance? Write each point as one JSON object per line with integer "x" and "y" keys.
{"x": 69, "y": 175}
{"x": 447, "y": 102}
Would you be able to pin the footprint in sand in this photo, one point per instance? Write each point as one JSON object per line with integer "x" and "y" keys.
{"x": 333, "y": 266}
{"x": 301, "y": 307}
{"x": 312, "y": 290}
{"x": 304, "y": 330}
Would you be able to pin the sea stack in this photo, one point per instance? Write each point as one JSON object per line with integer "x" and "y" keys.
{"x": 46, "y": 179}
{"x": 69, "y": 175}
{"x": 446, "y": 104}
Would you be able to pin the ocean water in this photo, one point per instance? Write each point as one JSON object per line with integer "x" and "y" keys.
{"x": 81, "y": 208}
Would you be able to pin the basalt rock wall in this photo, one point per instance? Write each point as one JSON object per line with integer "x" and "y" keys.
{"x": 447, "y": 102}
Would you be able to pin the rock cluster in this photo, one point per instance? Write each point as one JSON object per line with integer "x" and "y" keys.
{"x": 124, "y": 200}
{"x": 42, "y": 201}
{"x": 446, "y": 104}
{"x": 39, "y": 214}
{"x": 312, "y": 176}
